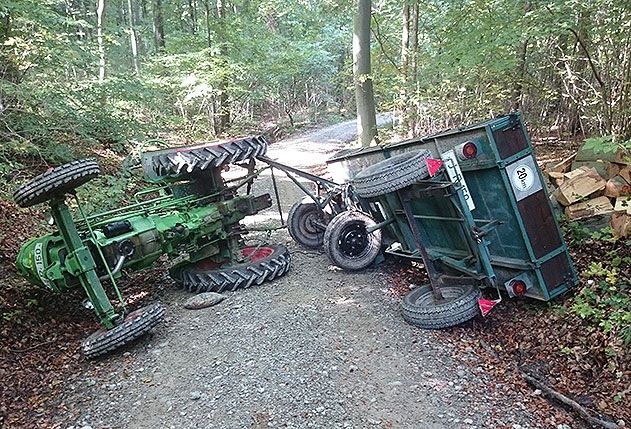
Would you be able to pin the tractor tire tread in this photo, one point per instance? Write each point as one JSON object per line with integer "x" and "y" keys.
{"x": 123, "y": 333}
{"x": 58, "y": 181}
{"x": 181, "y": 162}
{"x": 240, "y": 276}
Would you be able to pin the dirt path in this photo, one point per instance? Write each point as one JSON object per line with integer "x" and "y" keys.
{"x": 317, "y": 348}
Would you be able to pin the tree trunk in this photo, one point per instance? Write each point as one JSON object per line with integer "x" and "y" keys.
{"x": 100, "y": 21}
{"x": 364, "y": 97}
{"x": 5, "y": 26}
{"x": 403, "y": 91}
{"x": 223, "y": 105}
{"x": 143, "y": 9}
{"x": 414, "y": 42}
{"x": 192, "y": 14}
{"x": 413, "y": 105}
{"x": 521, "y": 68}
{"x": 158, "y": 25}
{"x": 132, "y": 36}
{"x": 208, "y": 27}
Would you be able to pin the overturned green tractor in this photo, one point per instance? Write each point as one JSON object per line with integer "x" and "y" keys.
{"x": 191, "y": 214}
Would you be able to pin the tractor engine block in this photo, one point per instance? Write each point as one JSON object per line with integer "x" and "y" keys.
{"x": 137, "y": 241}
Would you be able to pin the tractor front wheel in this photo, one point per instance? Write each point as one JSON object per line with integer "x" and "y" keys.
{"x": 135, "y": 324}
{"x": 460, "y": 304}
{"x": 56, "y": 182}
{"x": 264, "y": 263}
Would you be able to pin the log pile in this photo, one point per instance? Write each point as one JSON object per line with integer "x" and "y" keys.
{"x": 592, "y": 186}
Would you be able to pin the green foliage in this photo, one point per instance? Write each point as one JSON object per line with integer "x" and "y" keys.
{"x": 106, "y": 193}
{"x": 604, "y": 144}
{"x": 605, "y": 300}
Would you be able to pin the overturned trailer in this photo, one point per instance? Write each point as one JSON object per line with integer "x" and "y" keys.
{"x": 470, "y": 203}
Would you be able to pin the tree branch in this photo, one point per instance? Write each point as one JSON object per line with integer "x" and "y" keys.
{"x": 569, "y": 402}
{"x": 589, "y": 58}
{"x": 383, "y": 51}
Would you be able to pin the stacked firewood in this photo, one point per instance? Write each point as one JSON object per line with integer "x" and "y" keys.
{"x": 594, "y": 185}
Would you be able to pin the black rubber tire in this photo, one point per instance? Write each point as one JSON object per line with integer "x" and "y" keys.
{"x": 136, "y": 324}
{"x": 182, "y": 162}
{"x": 392, "y": 174}
{"x": 348, "y": 229}
{"x": 58, "y": 181}
{"x": 196, "y": 278}
{"x": 461, "y": 304}
{"x": 302, "y": 223}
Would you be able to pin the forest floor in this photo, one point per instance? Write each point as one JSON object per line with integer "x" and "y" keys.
{"x": 318, "y": 347}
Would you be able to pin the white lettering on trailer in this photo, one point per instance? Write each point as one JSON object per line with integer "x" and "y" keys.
{"x": 455, "y": 174}
{"x": 38, "y": 255}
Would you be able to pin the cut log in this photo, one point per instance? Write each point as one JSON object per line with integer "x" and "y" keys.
{"x": 556, "y": 179}
{"x": 613, "y": 170}
{"x": 594, "y": 207}
{"x": 623, "y": 204}
{"x": 563, "y": 166}
{"x": 575, "y": 173}
{"x": 625, "y": 173}
{"x": 599, "y": 165}
{"x": 621, "y": 224}
{"x": 587, "y": 184}
{"x": 617, "y": 187}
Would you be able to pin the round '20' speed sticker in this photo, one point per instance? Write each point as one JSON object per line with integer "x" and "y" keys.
{"x": 523, "y": 177}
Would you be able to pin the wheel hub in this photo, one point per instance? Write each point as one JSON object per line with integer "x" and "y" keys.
{"x": 311, "y": 221}
{"x": 354, "y": 240}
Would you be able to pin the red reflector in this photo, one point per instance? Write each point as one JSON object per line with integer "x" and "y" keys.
{"x": 519, "y": 287}
{"x": 469, "y": 150}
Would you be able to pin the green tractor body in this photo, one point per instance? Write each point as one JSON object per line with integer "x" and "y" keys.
{"x": 192, "y": 217}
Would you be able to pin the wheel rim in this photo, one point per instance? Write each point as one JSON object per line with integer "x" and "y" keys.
{"x": 353, "y": 240}
{"x": 255, "y": 254}
{"x": 250, "y": 253}
{"x": 309, "y": 223}
{"x": 450, "y": 293}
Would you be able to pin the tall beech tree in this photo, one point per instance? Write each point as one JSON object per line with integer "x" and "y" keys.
{"x": 364, "y": 95}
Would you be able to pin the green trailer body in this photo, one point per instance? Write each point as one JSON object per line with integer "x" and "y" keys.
{"x": 494, "y": 223}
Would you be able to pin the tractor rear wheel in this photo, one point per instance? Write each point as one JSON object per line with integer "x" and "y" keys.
{"x": 265, "y": 263}
{"x": 392, "y": 174}
{"x": 56, "y": 182}
{"x": 183, "y": 162}
{"x": 460, "y": 304}
{"x": 306, "y": 223}
{"x": 135, "y": 324}
{"x": 347, "y": 242}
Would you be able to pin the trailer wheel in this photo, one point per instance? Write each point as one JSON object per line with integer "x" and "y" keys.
{"x": 419, "y": 307}
{"x": 347, "y": 242}
{"x": 185, "y": 161}
{"x": 392, "y": 174}
{"x": 306, "y": 223}
{"x": 266, "y": 264}
{"x": 136, "y": 324}
{"x": 56, "y": 182}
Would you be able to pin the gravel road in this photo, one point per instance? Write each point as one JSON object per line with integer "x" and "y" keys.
{"x": 317, "y": 348}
